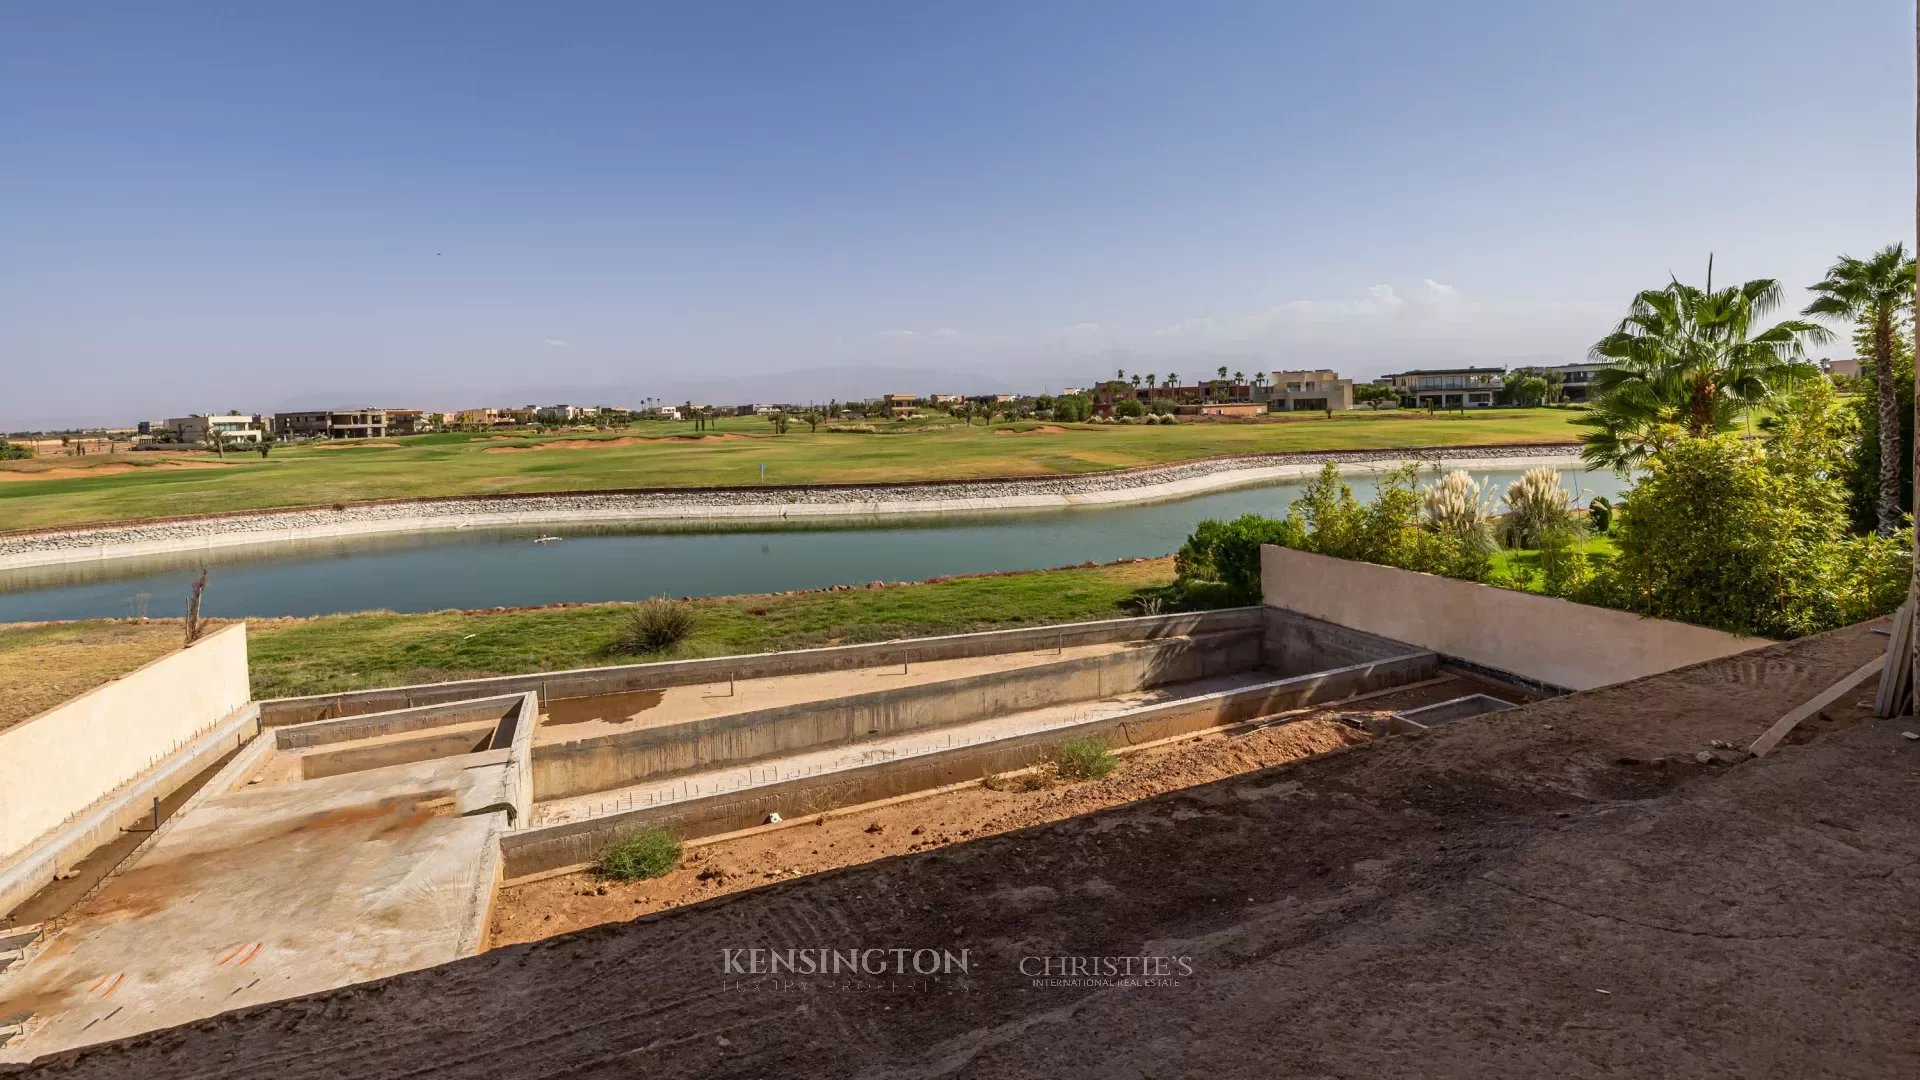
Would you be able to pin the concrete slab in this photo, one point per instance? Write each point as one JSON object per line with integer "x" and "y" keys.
{"x": 573, "y": 719}
{"x": 267, "y": 893}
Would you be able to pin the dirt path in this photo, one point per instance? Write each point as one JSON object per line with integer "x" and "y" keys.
{"x": 1558, "y": 891}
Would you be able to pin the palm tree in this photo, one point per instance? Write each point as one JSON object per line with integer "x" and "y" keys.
{"x": 1239, "y": 377}
{"x": 1875, "y": 292}
{"x": 1136, "y": 382}
{"x": 1152, "y": 381}
{"x": 1223, "y": 371}
{"x": 1688, "y": 361}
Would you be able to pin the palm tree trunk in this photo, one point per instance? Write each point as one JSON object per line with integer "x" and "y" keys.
{"x": 1889, "y": 402}
{"x": 1700, "y": 408}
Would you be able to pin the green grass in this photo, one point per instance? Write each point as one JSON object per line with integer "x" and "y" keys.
{"x": 1509, "y": 561}
{"x": 348, "y": 652}
{"x": 667, "y": 456}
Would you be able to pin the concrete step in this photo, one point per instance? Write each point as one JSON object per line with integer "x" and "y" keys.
{"x": 13, "y": 1027}
{"x": 15, "y": 943}
{"x": 706, "y": 783}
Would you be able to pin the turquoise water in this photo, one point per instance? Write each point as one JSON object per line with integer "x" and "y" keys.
{"x": 504, "y": 568}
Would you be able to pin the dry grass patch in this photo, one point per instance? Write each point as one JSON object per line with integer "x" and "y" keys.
{"x": 44, "y": 665}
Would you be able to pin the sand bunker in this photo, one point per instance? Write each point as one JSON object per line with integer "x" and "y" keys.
{"x": 81, "y": 472}
{"x": 1043, "y": 429}
{"x": 602, "y": 444}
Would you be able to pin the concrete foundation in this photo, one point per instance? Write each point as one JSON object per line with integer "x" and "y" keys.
{"x": 270, "y": 883}
{"x": 594, "y": 682}
{"x": 532, "y": 850}
{"x": 616, "y": 760}
{"x": 1459, "y": 708}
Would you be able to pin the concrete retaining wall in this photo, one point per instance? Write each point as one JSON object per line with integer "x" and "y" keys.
{"x": 533, "y": 850}
{"x": 1556, "y": 642}
{"x": 29, "y": 871}
{"x": 612, "y": 761}
{"x": 591, "y": 682}
{"x": 509, "y": 746}
{"x": 1292, "y": 644}
{"x": 63, "y": 762}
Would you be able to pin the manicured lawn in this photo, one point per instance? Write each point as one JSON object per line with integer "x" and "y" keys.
{"x": 1598, "y": 550}
{"x": 347, "y": 652}
{"x": 666, "y": 455}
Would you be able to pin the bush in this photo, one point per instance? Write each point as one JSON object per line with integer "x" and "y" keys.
{"x": 1228, "y": 553}
{"x": 652, "y": 625}
{"x": 1327, "y": 519}
{"x": 1563, "y": 559}
{"x": 1600, "y": 514}
{"x": 1456, "y": 506}
{"x": 1073, "y": 408}
{"x": 648, "y": 853}
{"x": 1536, "y": 503}
{"x": 1730, "y": 535}
{"x": 1130, "y": 408}
{"x": 1084, "y": 759}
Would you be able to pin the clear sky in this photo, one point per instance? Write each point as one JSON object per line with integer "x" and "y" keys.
{"x": 260, "y": 205}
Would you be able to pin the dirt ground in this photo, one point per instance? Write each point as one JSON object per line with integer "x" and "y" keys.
{"x": 1560, "y": 890}
{"x": 555, "y": 905}
{"x": 25, "y": 471}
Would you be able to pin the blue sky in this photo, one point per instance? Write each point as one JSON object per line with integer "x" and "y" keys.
{"x": 258, "y": 205}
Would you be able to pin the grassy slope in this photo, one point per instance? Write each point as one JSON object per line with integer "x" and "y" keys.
{"x": 461, "y": 464}
{"x": 42, "y": 666}
{"x": 344, "y": 652}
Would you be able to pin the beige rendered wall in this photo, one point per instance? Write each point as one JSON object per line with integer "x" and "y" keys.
{"x": 57, "y": 764}
{"x": 1557, "y": 642}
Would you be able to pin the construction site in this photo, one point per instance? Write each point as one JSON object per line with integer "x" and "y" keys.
{"x": 1387, "y": 824}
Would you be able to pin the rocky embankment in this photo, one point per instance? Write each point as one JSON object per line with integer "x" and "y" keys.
{"x": 738, "y": 502}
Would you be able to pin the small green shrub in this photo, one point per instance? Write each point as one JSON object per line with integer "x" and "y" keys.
{"x": 1600, "y": 514}
{"x": 1084, "y": 759}
{"x": 648, "y": 853}
{"x": 652, "y": 625}
{"x": 1228, "y": 552}
{"x": 1563, "y": 559}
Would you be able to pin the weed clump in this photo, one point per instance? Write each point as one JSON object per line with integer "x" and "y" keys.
{"x": 648, "y": 853}
{"x": 1084, "y": 759}
{"x": 653, "y": 625}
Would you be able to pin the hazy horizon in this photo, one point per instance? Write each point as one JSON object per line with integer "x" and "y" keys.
{"x": 441, "y": 206}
